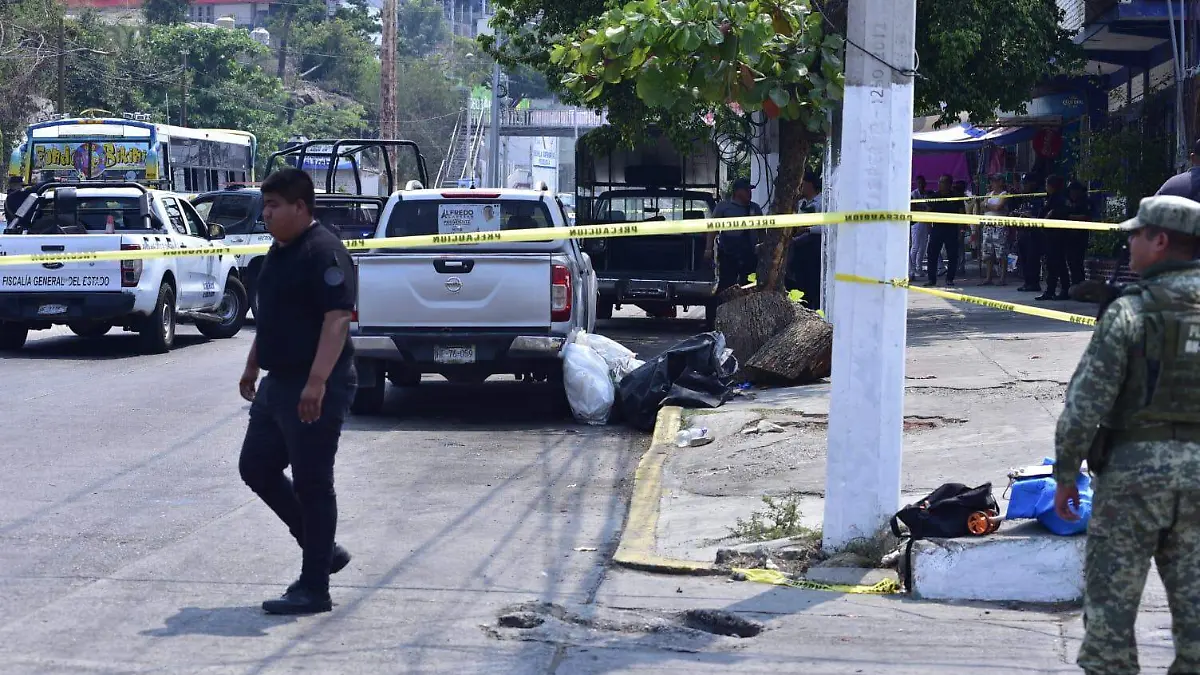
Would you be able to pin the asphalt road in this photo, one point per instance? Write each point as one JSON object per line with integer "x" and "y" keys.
{"x": 129, "y": 544}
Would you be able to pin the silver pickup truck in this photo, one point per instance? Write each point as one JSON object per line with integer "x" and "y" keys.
{"x": 468, "y": 311}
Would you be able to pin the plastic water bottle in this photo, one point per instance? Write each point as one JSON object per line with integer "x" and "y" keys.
{"x": 693, "y": 437}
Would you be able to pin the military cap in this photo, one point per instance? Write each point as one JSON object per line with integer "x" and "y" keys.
{"x": 1168, "y": 212}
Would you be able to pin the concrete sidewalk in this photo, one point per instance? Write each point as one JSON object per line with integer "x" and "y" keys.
{"x": 984, "y": 389}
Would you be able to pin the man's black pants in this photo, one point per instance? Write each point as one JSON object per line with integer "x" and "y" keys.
{"x": 1077, "y": 246}
{"x": 277, "y": 438}
{"x": 1057, "y": 272}
{"x": 1029, "y": 254}
{"x": 950, "y": 237}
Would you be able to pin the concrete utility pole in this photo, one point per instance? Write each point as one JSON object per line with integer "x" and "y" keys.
{"x": 862, "y": 484}
{"x": 387, "y": 74}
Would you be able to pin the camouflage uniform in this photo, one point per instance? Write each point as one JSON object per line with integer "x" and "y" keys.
{"x": 1147, "y": 496}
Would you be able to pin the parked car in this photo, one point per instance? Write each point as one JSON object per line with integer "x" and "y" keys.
{"x": 468, "y": 311}
{"x": 148, "y": 296}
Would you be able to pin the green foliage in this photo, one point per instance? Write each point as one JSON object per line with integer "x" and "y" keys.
{"x": 428, "y": 103}
{"x": 690, "y": 55}
{"x": 327, "y": 120}
{"x": 780, "y": 519}
{"x": 25, "y": 62}
{"x": 420, "y": 28}
{"x": 358, "y": 14}
{"x": 338, "y": 57}
{"x": 165, "y": 12}
{"x": 978, "y": 56}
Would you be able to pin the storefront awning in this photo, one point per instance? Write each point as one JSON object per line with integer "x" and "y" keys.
{"x": 964, "y": 137}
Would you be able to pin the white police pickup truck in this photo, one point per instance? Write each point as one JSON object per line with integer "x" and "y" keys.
{"x": 148, "y": 296}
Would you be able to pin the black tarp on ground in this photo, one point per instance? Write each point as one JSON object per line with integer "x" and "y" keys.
{"x": 690, "y": 374}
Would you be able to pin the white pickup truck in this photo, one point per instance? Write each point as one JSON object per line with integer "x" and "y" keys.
{"x": 468, "y": 311}
{"x": 144, "y": 296}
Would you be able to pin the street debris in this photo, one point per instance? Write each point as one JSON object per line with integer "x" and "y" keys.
{"x": 721, "y": 622}
{"x": 590, "y": 390}
{"x": 763, "y": 427}
{"x": 522, "y": 620}
{"x": 779, "y": 341}
{"x": 695, "y": 373}
{"x": 620, "y": 360}
{"x": 694, "y": 437}
{"x": 1031, "y": 495}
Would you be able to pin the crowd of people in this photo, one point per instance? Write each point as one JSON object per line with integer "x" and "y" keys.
{"x": 1053, "y": 255}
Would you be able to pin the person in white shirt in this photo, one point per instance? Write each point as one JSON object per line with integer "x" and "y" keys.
{"x": 995, "y": 238}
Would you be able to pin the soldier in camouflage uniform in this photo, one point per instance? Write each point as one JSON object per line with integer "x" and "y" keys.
{"x": 1133, "y": 411}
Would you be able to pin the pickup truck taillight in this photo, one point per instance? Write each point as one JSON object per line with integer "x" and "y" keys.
{"x": 131, "y": 270}
{"x": 560, "y": 293}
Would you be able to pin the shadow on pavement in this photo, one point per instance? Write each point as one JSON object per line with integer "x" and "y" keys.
{"x": 249, "y": 621}
{"x": 551, "y": 507}
{"x": 109, "y": 347}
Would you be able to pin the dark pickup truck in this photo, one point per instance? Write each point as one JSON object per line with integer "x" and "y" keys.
{"x": 652, "y": 182}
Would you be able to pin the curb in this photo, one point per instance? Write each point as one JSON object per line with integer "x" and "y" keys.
{"x": 637, "y": 549}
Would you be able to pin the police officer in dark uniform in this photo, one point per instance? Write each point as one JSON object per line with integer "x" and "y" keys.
{"x": 738, "y": 257}
{"x": 305, "y": 297}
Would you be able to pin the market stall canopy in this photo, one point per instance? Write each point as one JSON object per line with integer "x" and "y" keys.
{"x": 965, "y": 137}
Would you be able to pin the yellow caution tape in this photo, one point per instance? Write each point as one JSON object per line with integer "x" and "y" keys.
{"x": 695, "y": 226}
{"x": 777, "y": 578}
{"x": 975, "y": 300}
{"x": 999, "y": 221}
{"x": 927, "y": 200}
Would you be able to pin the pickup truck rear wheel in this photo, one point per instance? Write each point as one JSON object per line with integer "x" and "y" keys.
{"x": 157, "y": 332}
{"x": 232, "y": 311}
{"x": 12, "y": 336}
{"x": 368, "y": 399}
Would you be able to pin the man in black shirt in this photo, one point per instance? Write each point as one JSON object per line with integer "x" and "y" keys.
{"x": 1056, "y": 240}
{"x": 305, "y": 297}
{"x": 944, "y": 235}
{"x": 738, "y": 257}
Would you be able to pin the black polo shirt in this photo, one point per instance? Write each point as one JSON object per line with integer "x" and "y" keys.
{"x": 297, "y": 285}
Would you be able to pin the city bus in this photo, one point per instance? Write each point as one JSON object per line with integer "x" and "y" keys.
{"x": 134, "y": 149}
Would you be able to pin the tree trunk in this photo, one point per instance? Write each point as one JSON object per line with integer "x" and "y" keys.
{"x": 794, "y": 143}
{"x": 799, "y": 354}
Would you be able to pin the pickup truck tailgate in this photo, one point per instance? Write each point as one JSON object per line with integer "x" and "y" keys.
{"x": 454, "y": 291}
{"x": 101, "y": 275}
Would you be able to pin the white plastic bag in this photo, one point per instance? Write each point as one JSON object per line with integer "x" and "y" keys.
{"x": 590, "y": 390}
{"x": 620, "y": 359}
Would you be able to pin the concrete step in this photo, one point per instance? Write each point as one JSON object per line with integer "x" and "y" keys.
{"x": 1021, "y": 562}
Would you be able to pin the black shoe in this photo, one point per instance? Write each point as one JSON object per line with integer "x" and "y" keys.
{"x": 1030, "y": 289}
{"x": 1063, "y": 296}
{"x": 299, "y": 600}
{"x": 341, "y": 558}
{"x": 1045, "y": 296}
{"x": 930, "y": 284}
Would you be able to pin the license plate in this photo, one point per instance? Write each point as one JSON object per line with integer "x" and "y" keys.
{"x": 52, "y": 310}
{"x": 646, "y": 289}
{"x": 454, "y": 354}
